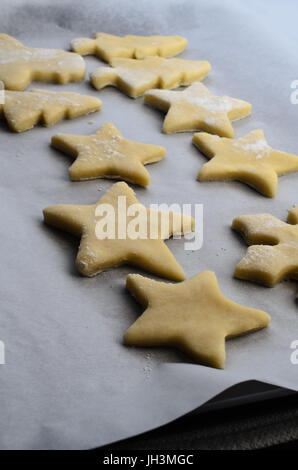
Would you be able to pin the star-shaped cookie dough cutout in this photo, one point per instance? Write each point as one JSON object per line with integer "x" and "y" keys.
{"x": 134, "y": 77}
{"x": 273, "y": 254}
{"x": 19, "y": 65}
{"x": 248, "y": 159}
{"x": 107, "y": 154}
{"x": 193, "y": 316}
{"x": 24, "y": 109}
{"x": 195, "y": 108}
{"x": 102, "y": 248}
{"x": 107, "y": 46}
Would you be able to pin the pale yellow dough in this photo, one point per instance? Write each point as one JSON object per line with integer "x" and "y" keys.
{"x": 193, "y": 316}
{"x": 107, "y": 46}
{"x": 293, "y": 215}
{"x": 96, "y": 255}
{"x": 248, "y": 159}
{"x": 19, "y": 65}
{"x": 107, "y": 154}
{"x": 273, "y": 255}
{"x": 134, "y": 77}
{"x": 195, "y": 108}
{"x": 23, "y": 109}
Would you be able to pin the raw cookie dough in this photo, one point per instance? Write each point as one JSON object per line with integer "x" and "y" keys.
{"x": 19, "y": 65}
{"x": 134, "y": 77}
{"x": 248, "y": 159}
{"x": 293, "y": 215}
{"x": 196, "y": 109}
{"x": 193, "y": 316}
{"x": 107, "y": 46}
{"x": 97, "y": 254}
{"x": 273, "y": 255}
{"x": 107, "y": 154}
{"x": 23, "y": 109}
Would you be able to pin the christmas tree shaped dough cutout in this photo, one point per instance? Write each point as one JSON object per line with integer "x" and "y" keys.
{"x": 19, "y": 65}
{"x": 134, "y": 77}
{"x": 107, "y": 46}
{"x": 24, "y": 109}
{"x": 193, "y": 316}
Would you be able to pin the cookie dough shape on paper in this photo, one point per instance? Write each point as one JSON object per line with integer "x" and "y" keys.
{"x": 107, "y": 154}
{"x": 24, "y": 109}
{"x": 193, "y": 316}
{"x": 273, "y": 254}
{"x": 195, "y": 108}
{"x": 19, "y": 65}
{"x": 107, "y": 46}
{"x": 248, "y": 159}
{"x": 134, "y": 77}
{"x": 97, "y": 253}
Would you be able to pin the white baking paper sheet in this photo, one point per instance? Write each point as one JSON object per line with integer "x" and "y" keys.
{"x": 68, "y": 381}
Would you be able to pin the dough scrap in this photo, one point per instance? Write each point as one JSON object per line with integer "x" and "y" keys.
{"x": 96, "y": 254}
{"x": 248, "y": 159}
{"x": 107, "y": 46}
{"x": 193, "y": 316}
{"x": 196, "y": 109}
{"x": 24, "y": 109}
{"x": 107, "y": 154}
{"x": 134, "y": 77}
{"x": 19, "y": 65}
{"x": 273, "y": 254}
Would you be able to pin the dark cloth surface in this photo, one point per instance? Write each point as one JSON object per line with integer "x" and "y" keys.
{"x": 271, "y": 423}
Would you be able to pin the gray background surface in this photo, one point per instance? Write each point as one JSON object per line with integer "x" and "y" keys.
{"x": 68, "y": 381}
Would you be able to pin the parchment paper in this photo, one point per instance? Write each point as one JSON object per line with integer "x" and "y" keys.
{"x": 68, "y": 381}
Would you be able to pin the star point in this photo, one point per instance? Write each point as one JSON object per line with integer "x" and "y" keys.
{"x": 193, "y": 316}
